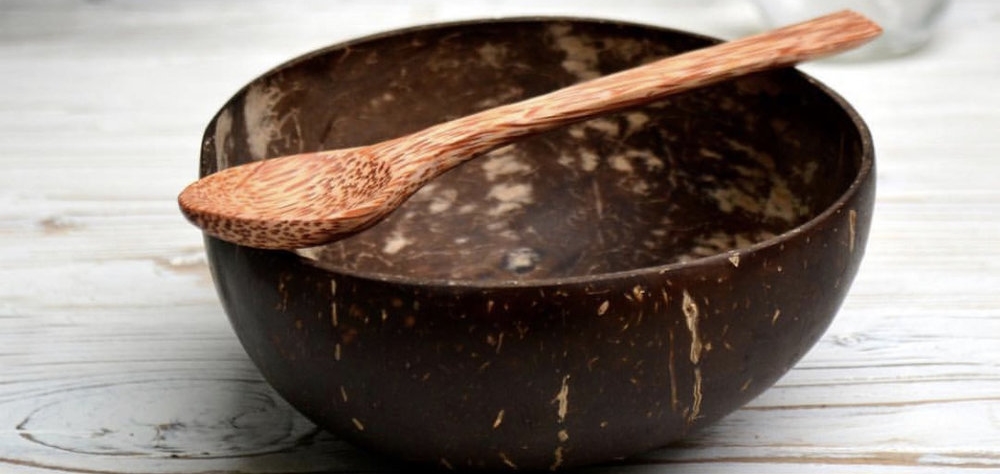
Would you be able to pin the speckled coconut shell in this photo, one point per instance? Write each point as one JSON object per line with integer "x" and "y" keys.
{"x": 580, "y": 296}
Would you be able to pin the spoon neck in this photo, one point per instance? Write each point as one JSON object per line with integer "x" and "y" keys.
{"x": 423, "y": 155}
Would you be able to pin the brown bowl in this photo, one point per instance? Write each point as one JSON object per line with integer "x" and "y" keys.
{"x": 580, "y": 296}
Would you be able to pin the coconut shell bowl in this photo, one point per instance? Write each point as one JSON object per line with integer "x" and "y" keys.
{"x": 583, "y": 295}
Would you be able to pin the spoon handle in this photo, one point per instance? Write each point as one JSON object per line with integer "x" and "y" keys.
{"x": 469, "y": 136}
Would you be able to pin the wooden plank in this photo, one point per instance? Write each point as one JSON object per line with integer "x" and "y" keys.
{"x": 115, "y": 355}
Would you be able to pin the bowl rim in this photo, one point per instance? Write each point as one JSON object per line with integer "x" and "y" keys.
{"x": 865, "y": 169}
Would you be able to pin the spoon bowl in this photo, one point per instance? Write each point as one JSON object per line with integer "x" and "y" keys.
{"x": 256, "y": 215}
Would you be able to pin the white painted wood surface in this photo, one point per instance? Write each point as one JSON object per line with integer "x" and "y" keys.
{"x": 115, "y": 355}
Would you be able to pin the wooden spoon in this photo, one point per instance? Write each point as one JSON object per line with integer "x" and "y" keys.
{"x": 314, "y": 198}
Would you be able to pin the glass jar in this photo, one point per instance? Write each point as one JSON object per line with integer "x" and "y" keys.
{"x": 907, "y": 24}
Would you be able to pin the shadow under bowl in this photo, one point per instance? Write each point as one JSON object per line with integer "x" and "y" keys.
{"x": 579, "y": 296}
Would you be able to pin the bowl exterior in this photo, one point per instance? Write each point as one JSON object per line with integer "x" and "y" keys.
{"x": 537, "y": 377}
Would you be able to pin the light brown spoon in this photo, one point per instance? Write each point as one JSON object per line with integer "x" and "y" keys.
{"x": 314, "y": 198}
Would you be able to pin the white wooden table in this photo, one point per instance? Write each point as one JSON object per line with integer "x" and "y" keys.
{"x": 115, "y": 355}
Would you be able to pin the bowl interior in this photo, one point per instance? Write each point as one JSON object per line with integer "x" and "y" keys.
{"x": 694, "y": 175}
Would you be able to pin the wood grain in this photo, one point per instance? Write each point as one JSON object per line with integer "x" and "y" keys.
{"x": 116, "y": 357}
